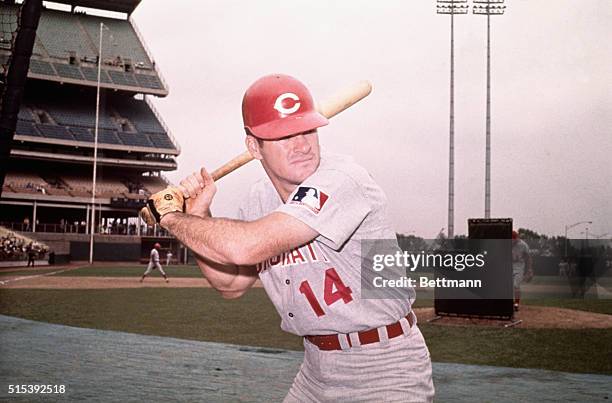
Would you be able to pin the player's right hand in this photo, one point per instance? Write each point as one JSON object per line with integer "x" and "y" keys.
{"x": 200, "y": 189}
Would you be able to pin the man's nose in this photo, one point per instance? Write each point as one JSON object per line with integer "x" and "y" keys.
{"x": 300, "y": 143}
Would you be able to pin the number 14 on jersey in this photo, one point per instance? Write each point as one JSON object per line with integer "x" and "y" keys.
{"x": 333, "y": 290}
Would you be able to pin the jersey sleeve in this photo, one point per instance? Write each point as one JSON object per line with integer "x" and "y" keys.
{"x": 330, "y": 202}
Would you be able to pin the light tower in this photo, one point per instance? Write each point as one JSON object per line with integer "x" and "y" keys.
{"x": 452, "y": 7}
{"x": 488, "y": 8}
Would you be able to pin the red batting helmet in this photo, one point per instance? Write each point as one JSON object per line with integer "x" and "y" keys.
{"x": 515, "y": 235}
{"x": 157, "y": 246}
{"x": 277, "y": 106}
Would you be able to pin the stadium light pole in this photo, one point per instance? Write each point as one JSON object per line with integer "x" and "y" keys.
{"x": 568, "y": 227}
{"x": 488, "y": 8}
{"x": 452, "y": 7}
{"x": 95, "y": 158}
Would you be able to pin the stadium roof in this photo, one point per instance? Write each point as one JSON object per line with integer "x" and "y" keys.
{"x": 122, "y": 6}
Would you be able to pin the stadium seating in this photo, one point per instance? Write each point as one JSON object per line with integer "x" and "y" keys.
{"x": 68, "y": 71}
{"x": 64, "y": 36}
{"x": 152, "y": 184}
{"x": 25, "y": 182}
{"x": 79, "y": 184}
{"x": 148, "y": 81}
{"x": 91, "y": 74}
{"x": 107, "y": 136}
{"x": 26, "y": 128}
{"x": 72, "y": 113}
{"x": 135, "y": 139}
{"x": 41, "y": 67}
{"x": 55, "y": 132}
{"x": 25, "y": 114}
{"x": 122, "y": 121}
{"x": 160, "y": 140}
{"x": 52, "y": 157}
{"x": 82, "y": 134}
{"x": 119, "y": 40}
{"x": 140, "y": 115}
{"x": 56, "y": 31}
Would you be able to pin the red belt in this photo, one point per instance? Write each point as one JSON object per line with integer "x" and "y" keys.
{"x": 332, "y": 341}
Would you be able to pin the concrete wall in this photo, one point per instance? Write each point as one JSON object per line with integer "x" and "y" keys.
{"x": 76, "y": 246}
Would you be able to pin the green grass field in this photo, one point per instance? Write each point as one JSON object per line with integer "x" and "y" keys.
{"x": 131, "y": 271}
{"x": 26, "y": 272}
{"x": 201, "y": 314}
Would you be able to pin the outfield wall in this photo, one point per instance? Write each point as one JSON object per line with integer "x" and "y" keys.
{"x": 69, "y": 247}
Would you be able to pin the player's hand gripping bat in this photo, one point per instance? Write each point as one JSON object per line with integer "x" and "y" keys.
{"x": 171, "y": 199}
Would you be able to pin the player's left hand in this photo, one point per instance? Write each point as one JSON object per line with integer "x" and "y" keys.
{"x": 161, "y": 203}
{"x": 529, "y": 276}
{"x": 200, "y": 189}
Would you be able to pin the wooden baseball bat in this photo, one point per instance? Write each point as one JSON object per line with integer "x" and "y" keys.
{"x": 329, "y": 108}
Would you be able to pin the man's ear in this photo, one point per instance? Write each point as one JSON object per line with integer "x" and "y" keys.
{"x": 253, "y": 146}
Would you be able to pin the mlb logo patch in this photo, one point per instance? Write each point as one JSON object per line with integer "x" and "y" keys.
{"x": 312, "y": 198}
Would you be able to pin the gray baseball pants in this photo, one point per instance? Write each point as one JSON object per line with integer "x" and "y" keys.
{"x": 152, "y": 266}
{"x": 398, "y": 370}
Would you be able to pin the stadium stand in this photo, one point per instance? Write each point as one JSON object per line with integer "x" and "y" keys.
{"x": 49, "y": 183}
{"x": 40, "y": 67}
{"x": 26, "y": 129}
{"x": 56, "y": 32}
{"x": 55, "y": 132}
{"x": 124, "y": 42}
{"x": 140, "y": 114}
{"x": 153, "y": 184}
{"x": 67, "y": 46}
{"x": 123, "y": 121}
{"x": 16, "y": 247}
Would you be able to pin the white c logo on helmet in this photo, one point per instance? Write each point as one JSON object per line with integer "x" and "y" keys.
{"x": 278, "y": 105}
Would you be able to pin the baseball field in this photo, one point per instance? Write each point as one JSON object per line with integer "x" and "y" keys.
{"x": 570, "y": 335}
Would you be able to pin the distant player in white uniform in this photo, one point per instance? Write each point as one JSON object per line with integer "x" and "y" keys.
{"x": 300, "y": 232}
{"x": 154, "y": 263}
{"x": 521, "y": 259}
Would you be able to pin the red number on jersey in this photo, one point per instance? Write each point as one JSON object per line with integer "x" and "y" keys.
{"x": 307, "y": 291}
{"x": 332, "y": 279}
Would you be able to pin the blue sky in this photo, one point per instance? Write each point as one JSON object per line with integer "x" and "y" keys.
{"x": 551, "y": 99}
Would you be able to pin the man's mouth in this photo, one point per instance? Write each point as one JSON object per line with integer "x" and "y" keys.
{"x": 301, "y": 160}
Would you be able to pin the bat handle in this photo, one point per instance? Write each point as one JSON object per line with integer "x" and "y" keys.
{"x": 231, "y": 165}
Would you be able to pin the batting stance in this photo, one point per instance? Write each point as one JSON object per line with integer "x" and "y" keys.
{"x": 154, "y": 263}
{"x": 299, "y": 231}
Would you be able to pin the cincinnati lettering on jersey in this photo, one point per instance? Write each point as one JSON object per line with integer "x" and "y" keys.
{"x": 312, "y": 198}
{"x": 309, "y": 253}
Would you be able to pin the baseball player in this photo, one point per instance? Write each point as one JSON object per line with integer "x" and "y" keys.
{"x": 299, "y": 232}
{"x": 521, "y": 259}
{"x": 154, "y": 263}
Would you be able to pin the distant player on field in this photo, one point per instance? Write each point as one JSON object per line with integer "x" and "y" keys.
{"x": 522, "y": 268}
{"x": 154, "y": 263}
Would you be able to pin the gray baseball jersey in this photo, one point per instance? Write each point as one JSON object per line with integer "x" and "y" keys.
{"x": 154, "y": 263}
{"x": 154, "y": 256}
{"x": 519, "y": 248}
{"x": 316, "y": 288}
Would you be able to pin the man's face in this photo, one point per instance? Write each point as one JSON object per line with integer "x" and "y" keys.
{"x": 291, "y": 159}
